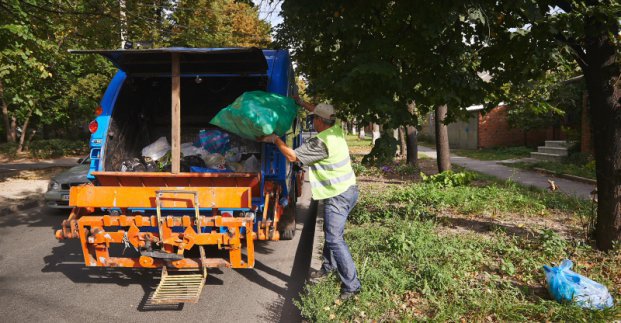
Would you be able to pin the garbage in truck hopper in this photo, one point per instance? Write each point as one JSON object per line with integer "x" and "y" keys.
{"x": 212, "y": 151}
{"x": 256, "y": 114}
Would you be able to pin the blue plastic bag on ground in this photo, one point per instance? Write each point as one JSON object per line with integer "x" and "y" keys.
{"x": 566, "y": 285}
{"x": 256, "y": 114}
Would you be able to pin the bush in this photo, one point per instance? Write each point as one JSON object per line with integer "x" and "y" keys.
{"x": 449, "y": 179}
{"x": 383, "y": 152}
{"x": 8, "y": 149}
{"x": 54, "y": 148}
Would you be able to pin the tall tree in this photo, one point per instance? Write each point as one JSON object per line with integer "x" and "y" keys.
{"x": 372, "y": 58}
{"x": 524, "y": 39}
{"x": 42, "y": 85}
{"x": 218, "y": 23}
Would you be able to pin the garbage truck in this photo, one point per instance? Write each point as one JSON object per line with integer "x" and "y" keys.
{"x": 135, "y": 213}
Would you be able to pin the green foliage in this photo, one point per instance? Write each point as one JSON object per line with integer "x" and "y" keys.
{"x": 222, "y": 23}
{"x": 412, "y": 269}
{"x": 8, "y": 150}
{"x": 54, "y": 148}
{"x": 383, "y": 151}
{"x": 55, "y": 92}
{"x": 373, "y": 58}
{"x": 448, "y": 179}
{"x": 359, "y": 169}
{"x": 483, "y": 197}
{"x": 409, "y": 272}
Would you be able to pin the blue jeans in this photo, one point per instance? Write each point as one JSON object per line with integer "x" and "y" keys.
{"x": 335, "y": 251}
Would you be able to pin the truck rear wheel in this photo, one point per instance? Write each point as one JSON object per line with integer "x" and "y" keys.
{"x": 286, "y": 225}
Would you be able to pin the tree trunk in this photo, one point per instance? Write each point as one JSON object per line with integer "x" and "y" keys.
{"x": 24, "y": 134}
{"x": 402, "y": 143}
{"x": 29, "y": 140}
{"x": 376, "y": 132}
{"x": 13, "y": 129}
{"x": 603, "y": 83}
{"x": 412, "y": 139}
{"x": 442, "y": 142}
{"x": 10, "y": 132}
{"x": 412, "y": 146}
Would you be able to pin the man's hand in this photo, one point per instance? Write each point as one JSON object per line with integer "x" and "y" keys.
{"x": 270, "y": 139}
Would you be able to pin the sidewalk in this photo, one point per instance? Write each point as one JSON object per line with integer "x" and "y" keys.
{"x": 26, "y": 164}
{"x": 525, "y": 177}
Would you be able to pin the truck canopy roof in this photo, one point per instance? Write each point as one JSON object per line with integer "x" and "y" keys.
{"x": 191, "y": 60}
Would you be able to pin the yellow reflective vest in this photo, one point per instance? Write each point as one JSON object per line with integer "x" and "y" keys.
{"x": 332, "y": 175}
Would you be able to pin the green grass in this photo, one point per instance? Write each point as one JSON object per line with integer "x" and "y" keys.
{"x": 354, "y": 141}
{"x": 559, "y": 168}
{"x": 494, "y": 153}
{"x": 490, "y": 198}
{"x": 47, "y": 148}
{"x": 412, "y": 271}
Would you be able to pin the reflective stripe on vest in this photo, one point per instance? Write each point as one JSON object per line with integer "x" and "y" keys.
{"x": 332, "y": 175}
{"x": 331, "y": 166}
{"x": 332, "y": 181}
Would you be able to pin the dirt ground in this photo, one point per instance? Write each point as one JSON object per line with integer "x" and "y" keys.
{"x": 28, "y": 184}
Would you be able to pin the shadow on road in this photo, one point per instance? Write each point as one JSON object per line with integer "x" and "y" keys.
{"x": 34, "y": 217}
{"x": 67, "y": 258}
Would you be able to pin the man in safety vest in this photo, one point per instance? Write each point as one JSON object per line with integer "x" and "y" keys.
{"x": 332, "y": 180}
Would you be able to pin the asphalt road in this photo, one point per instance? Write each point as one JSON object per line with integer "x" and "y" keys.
{"x": 44, "y": 280}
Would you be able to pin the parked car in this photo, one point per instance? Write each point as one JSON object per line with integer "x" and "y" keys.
{"x": 57, "y": 195}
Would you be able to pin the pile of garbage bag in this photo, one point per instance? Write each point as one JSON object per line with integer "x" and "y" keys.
{"x": 213, "y": 151}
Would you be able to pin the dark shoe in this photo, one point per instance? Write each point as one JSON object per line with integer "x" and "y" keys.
{"x": 347, "y": 295}
{"x": 318, "y": 274}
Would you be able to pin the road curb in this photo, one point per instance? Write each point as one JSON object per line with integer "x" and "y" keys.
{"x": 24, "y": 204}
{"x": 317, "y": 239}
{"x": 567, "y": 176}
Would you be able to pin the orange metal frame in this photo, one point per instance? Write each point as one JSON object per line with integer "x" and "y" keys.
{"x": 95, "y": 240}
{"x": 97, "y": 231}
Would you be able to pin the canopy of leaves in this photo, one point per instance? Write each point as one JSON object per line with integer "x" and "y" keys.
{"x": 42, "y": 83}
{"x": 373, "y": 57}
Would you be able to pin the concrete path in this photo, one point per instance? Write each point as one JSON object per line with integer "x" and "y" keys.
{"x": 27, "y": 164}
{"x": 525, "y": 177}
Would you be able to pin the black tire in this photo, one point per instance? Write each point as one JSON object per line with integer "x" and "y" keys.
{"x": 286, "y": 225}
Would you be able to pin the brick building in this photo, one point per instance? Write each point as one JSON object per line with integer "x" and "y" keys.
{"x": 491, "y": 130}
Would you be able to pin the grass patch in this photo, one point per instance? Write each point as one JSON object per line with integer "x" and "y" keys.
{"x": 8, "y": 150}
{"x": 502, "y": 153}
{"x": 412, "y": 270}
{"x": 484, "y": 198}
{"x": 409, "y": 272}
{"x": 54, "y": 148}
{"x": 354, "y": 141}
{"x": 586, "y": 171}
{"x": 48, "y": 148}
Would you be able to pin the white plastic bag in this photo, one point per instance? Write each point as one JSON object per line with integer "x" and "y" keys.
{"x": 215, "y": 161}
{"x": 188, "y": 149}
{"x": 233, "y": 155}
{"x": 252, "y": 165}
{"x": 157, "y": 149}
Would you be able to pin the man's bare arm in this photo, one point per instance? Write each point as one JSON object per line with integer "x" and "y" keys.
{"x": 282, "y": 146}
{"x": 308, "y": 106}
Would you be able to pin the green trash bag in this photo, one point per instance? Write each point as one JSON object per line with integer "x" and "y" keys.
{"x": 257, "y": 114}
